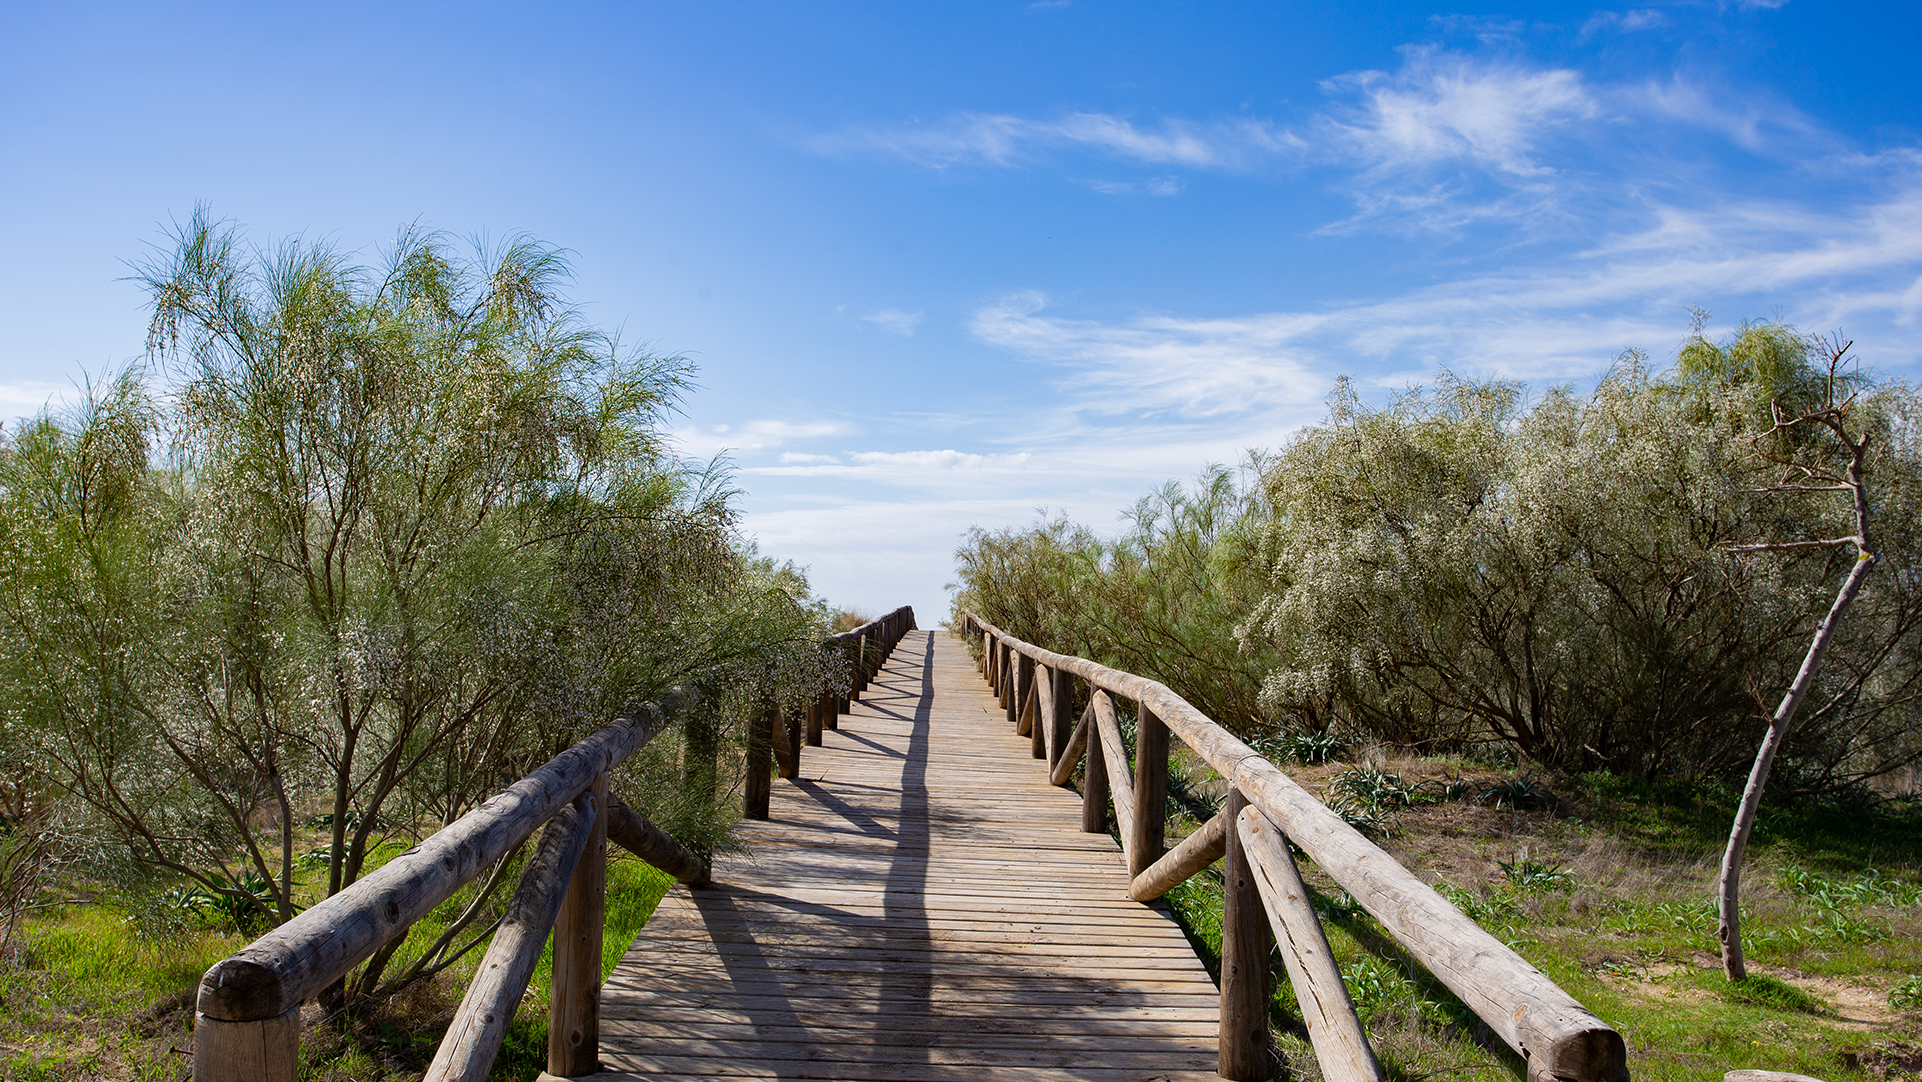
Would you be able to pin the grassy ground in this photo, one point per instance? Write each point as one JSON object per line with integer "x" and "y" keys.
{"x": 1602, "y": 883}
{"x": 104, "y": 990}
{"x": 1605, "y": 885}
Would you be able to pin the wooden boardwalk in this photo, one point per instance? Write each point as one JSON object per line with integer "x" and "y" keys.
{"x": 920, "y": 906}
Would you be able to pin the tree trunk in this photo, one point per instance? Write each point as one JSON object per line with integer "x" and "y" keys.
{"x": 1728, "y": 885}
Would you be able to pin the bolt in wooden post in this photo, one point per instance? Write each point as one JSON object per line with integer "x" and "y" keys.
{"x": 1242, "y": 1041}
{"x": 574, "y": 1002}
{"x": 760, "y": 732}
{"x": 1151, "y": 790}
{"x": 264, "y": 1051}
{"x": 1094, "y": 783}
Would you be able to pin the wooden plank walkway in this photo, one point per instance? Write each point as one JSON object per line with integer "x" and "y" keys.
{"x": 921, "y": 906}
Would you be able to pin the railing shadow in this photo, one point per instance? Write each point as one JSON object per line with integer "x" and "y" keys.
{"x": 902, "y": 1016}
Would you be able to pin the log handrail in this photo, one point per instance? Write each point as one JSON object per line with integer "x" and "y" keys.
{"x": 247, "y": 1019}
{"x": 1558, "y": 1037}
{"x": 866, "y": 649}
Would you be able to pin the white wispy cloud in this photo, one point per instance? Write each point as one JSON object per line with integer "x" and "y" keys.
{"x": 1196, "y": 368}
{"x": 895, "y": 321}
{"x": 1445, "y": 140}
{"x": 1444, "y": 107}
{"x": 1156, "y": 186}
{"x": 1858, "y": 266}
{"x": 1001, "y": 139}
{"x": 752, "y": 435}
{"x": 1627, "y": 21}
{"x": 898, "y": 467}
{"x": 1753, "y": 121}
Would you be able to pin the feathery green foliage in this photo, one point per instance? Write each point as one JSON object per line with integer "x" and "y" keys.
{"x": 401, "y": 533}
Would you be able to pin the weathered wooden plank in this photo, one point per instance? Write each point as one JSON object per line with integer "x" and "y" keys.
{"x": 1551, "y": 1030}
{"x": 1061, "y": 720}
{"x": 633, "y": 832}
{"x": 267, "y": 1050}
{"x": 1243, "y": 1052}
{"x": 574, "y": 997}
{"x": 467, "y": 1051}
{"x": 920, "y": 904}
{"x": 1198, "y": 850}
{"x": 1114, "y": 761}
{"x": 1147, "y": 832}
{"x": 757, "y": 788}
{"x": 1094, "y": 777}
{"x": 1077, "y": 744}
{"x": 1341, "y": 1045}
{"x": 294, "y": 962}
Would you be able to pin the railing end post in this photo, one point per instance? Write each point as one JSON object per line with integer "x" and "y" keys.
{"x": 263, "y": 1051}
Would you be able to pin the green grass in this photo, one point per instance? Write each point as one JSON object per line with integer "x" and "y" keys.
{"x": 104, "y": 990}
{"x": 1607, "y": 890}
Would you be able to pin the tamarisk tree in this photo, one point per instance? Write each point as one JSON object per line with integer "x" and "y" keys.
{"x": 1837, "y": 462}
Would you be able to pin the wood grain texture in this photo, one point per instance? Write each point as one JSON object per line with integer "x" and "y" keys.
{"x": 1206, "y": 845}
{"x": 574, "y": 998}
{"x": 921, "y": 905}
{"x": 474, "y": 1037}
{"x": 633, "y": 832}
{"x": 296, "y": 960}
{"x": 1560, "y": 1038}
{"x": 1069, "y": 757}
{"x": 1147, "y": 828}
{"x": 263, "y": 1051}
{"x": 1114, "y": 759}
{"x": 1244, "y": 1041}
{"x": 1341, "y": 1045}
{"x": 1061, "y": 723}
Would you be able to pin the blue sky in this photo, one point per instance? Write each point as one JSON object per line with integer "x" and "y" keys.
{"x": 943, "y": 265}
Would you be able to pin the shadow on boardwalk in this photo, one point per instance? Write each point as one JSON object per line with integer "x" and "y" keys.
{"x": 921, "y": 905}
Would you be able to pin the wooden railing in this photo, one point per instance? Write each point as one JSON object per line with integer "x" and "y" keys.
{"x": 866, "y": 648}
{"x": 1264, "y": 894}
{"x": 247, "y": 1021}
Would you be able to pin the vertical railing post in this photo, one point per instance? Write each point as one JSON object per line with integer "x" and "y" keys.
{"x": 760, "y": 783}
{"x": 1242, "y": 1041}
{"x": 264, "y": 1051}
{"x": 1151, "y": 790}
{"x": 574, "y": 1001}
{"x": 816, "y": 707}
{"x": 1004, "y": 680}
{"x": 785, "y": 734}
{"x": 844, "y": 704}
{"x": 1094, "y": 779}
{"x": 1023, "y": 682}
{"x": 1040, "y": 705}
{"x": 859, "y": 648}
{"x": 1061, "y": 725}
